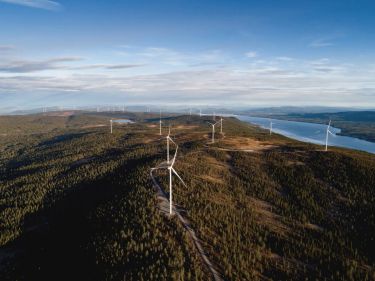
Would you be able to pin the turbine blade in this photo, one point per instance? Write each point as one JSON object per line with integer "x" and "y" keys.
{"x": 174, "y": 157}
{"x": 174, "y": 171}
{"x": 331, "y": 133}
{"x": 173, "y": 141}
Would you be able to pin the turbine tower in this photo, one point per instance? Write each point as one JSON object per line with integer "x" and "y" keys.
{"x": 169, "y": 139}
{"x": 111, "y": 121}
{"x": 213, "y": 130}
{"x": 221, "y": 125}
{"x": 160, "y": 124}
{"x": 328, "y": 132}
{"x": 200, "y": 112}
{"x": 172, "y": 170}
{"x": 271, "y": 127}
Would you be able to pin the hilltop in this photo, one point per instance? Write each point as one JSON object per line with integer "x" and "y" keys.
{"x": 77, "y": 203}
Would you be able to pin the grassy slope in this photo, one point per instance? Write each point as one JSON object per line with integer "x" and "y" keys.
{"x": 82, "y": 205}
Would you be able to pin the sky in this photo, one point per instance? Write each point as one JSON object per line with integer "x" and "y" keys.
{"x": 187, "y": 52}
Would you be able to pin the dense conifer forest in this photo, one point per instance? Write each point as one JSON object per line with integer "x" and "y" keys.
{"x": 77, "y": 203}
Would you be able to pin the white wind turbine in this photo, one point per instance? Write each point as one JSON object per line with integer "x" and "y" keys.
{"x": 168, "y": 140}
{"x": 169, "y": 165}
{"x": 221, "y": 125}
{"x": 200, "y": 112}
{"x": 160, "y": 124}
{"x": 111, "y": 121}
{"x": 328, "y": 132}
{"x": 213, "y": 130}
{"x": 271, "y": 127}
{"x": 172, "y": 170}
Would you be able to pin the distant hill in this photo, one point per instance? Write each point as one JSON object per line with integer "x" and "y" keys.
{"x": 285, "y": 110}
{"x": 353, "y": 116}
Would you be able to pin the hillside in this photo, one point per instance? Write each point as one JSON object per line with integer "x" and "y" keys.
{"x": 78, "y": 203}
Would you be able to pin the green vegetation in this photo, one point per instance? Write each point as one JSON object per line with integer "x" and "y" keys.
{"x": 77, "y": 203}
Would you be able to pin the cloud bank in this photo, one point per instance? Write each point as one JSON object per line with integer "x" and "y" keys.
{"x": 40, "y": 4}
{"x": 160, "y": 75}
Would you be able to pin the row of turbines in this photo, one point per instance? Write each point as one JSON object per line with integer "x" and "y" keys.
{"x": 169, "y": 163}
{"x": 328, "y": 131}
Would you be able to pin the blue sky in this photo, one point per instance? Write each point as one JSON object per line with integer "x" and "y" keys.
{"x": 256, "y": 53}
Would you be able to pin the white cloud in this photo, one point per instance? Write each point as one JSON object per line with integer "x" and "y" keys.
{"x": 6, "y": 48}
{"x": 319, "y": 43}
{"x": 41, "y": 4}
{"x": 251, "y": 54}
{"x": 166, "y": 73}
{"x": 284, "y": 58}
{"x": 263, "y": 86}
{"x": 25, "y": 66}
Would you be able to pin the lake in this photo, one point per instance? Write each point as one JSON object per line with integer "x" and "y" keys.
{"x": 310, "y": 132}
{"x": 123, "y": 121}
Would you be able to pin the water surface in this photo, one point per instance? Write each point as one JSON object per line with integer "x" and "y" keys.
{"x": 123, "y": 121}
{"x": 310, "y": 132}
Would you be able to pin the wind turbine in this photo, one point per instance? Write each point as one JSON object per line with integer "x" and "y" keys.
{"x": 328, "y": 132}
{"x": 111, "y": 121}
{"x": 200, "y": 112}
{"x": 168, "y": 140}
{"x": 271, "y": 127}
{"x": 221, "y": 125}
{"x": 169, "y": 165}
{"x": 214, "y": 117}
{"x": 160, "y": 124}
{"x": 213, "y": 130}
{"x": 172, "y": 170}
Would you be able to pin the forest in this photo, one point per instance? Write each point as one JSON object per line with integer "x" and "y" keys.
{"x": 77, "y": 202}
